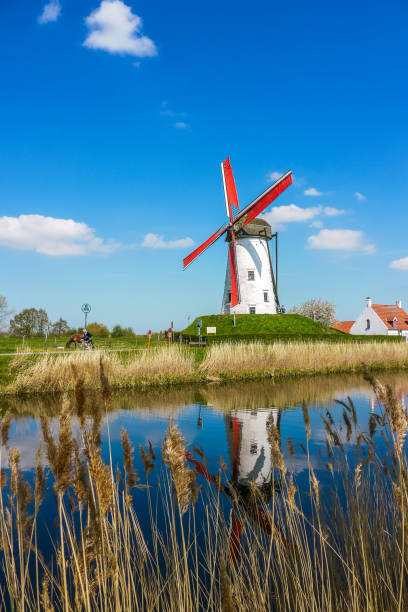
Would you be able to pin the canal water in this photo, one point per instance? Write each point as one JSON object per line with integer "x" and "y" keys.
{"x": 226, "y": 423}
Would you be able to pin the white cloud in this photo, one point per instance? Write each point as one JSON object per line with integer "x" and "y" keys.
{"x": 279, "y": 215}
{"x": 50, "y": 236}
{"x": 340, "y": 240}
{"x": 51, "y": 12}
{"x": 316, "y": 224}
{"x": 271, "y": 177}
{"x": 312, "y": 191}
{"x": 181, "y": 125}
{"x": 359, "y": 196}
{"x": 330, "y": 211}
{"x": 400, "y": 264}
{"x": 114, "y": 28}
{"x": 154, "y": 241}
{"x": 168, "y": 112}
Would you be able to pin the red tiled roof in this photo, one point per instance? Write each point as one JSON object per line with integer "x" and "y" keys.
{"x": 388, "y": 312}
{"x": 343, "y": 326}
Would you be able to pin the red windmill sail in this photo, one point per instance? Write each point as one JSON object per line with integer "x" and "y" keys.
{"x": 246, "y": 215}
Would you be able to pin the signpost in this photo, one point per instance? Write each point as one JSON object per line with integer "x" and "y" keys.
{"x": 198, "y": 325}
{"x": 170, "y": 335}
{"x": 150, "y": 335}
{"x": 86, "y": 309}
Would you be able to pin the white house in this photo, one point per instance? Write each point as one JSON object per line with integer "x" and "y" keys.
{"x": 255, "y": 273}
{"x": 381, "y": 319}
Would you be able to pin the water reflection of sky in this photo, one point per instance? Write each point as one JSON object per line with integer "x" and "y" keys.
{"x": 226, "y": 421}
{"x": 203, "y": 416}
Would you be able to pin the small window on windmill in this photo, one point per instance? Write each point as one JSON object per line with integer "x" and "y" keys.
{"x": 368, "y": 324}
{"x": 229, "y": 296}
{"x": 394, "y": 322}
{"x": 252, "y": 310}
{"x": 251, "y": 275}
{"x": 253, "y": 449}
{"x": 266, "y": 298}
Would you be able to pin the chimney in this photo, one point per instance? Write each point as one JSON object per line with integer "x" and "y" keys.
{"x": 398, "y": 303}
{"x": 368, "y": 302}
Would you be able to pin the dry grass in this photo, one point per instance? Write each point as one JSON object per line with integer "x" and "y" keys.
{"x": 351, "y": 555}
{"x": 299, "y": 357}
{"x": 59, "y": 372}
{"x": 155, "y": 367}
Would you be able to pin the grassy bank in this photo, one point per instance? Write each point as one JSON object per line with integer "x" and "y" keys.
{"x": 288, "y": 324}
{"x": 292, "y": 551}
{"x": 178, "y": 364}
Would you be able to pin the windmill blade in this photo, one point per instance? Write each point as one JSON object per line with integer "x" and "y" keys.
{"x": 232, "y": 254}
{"x": 187, "y": 260}
{"x": 230, "y": 191}
{"x": 261, "y": 202}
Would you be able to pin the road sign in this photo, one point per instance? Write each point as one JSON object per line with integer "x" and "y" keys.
{"x": 86, "y": 309}
{"x": 198, "y": 323}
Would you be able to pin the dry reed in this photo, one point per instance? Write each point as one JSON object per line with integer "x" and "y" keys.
{"x": 300, "y": 356}
{"x": 293, "y": 552}
{"x": 79, "y": 370}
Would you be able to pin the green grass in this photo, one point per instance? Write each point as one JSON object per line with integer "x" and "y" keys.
{"x": 11, "y": 345}
{"x": 261, "y": 324}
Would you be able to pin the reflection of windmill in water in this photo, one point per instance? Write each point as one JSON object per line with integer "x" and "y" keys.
{"x": 250, "y": 450}
{"x": 252, "y": 471}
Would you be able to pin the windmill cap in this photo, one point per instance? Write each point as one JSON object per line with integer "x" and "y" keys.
{"x": 256, "y": 227}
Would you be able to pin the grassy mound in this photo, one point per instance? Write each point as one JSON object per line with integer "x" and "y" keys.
{"x": 261, "y": 324}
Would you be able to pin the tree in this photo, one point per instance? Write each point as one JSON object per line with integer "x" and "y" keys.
{"x": 60, "y": 327}
{"x": 30, "y": 322}
{"x": 98, "y": 329}
{"x": 119, "y": 332}
{"x": 322, "y": 311}
{"x": 4, "y": 312}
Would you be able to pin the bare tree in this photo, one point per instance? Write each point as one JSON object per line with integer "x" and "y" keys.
{"x": 322, "y": 311}
{"x": 4, "y": 312}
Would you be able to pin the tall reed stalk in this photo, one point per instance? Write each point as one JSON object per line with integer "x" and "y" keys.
{"x": 341, "y": 547}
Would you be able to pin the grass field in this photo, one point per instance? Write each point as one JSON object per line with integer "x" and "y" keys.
{"x": 13, "y": 345}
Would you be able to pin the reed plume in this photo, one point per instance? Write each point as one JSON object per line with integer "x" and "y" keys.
{"x": 275, "y": 441}
{"x": 174, "y": 454}
{"x": 131, "y": 474}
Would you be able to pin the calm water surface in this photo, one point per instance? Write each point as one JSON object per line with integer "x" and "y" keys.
{"x": 228, "y": 422}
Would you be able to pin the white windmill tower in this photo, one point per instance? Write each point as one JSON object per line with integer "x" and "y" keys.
{"x": 250, "y": 283}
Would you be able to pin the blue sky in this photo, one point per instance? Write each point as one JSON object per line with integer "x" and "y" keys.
{"x": 115, "y": 116}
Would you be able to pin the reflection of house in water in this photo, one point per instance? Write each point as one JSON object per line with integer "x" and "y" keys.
{"x": 249, "y": 448}
{"x": 400, "y": 394}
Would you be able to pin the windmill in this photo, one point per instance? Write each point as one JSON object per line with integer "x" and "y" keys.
{"x": 250, "y": 283}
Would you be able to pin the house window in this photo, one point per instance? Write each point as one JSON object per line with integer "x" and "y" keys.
{"x": 368, "y": 324}
{"x": 266, "y": 299}
{"x": 252, "y": 310}
{"x": 394, "y": 322}
{"x": 251, "y": 274}
{"x": 229, "y": 296}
